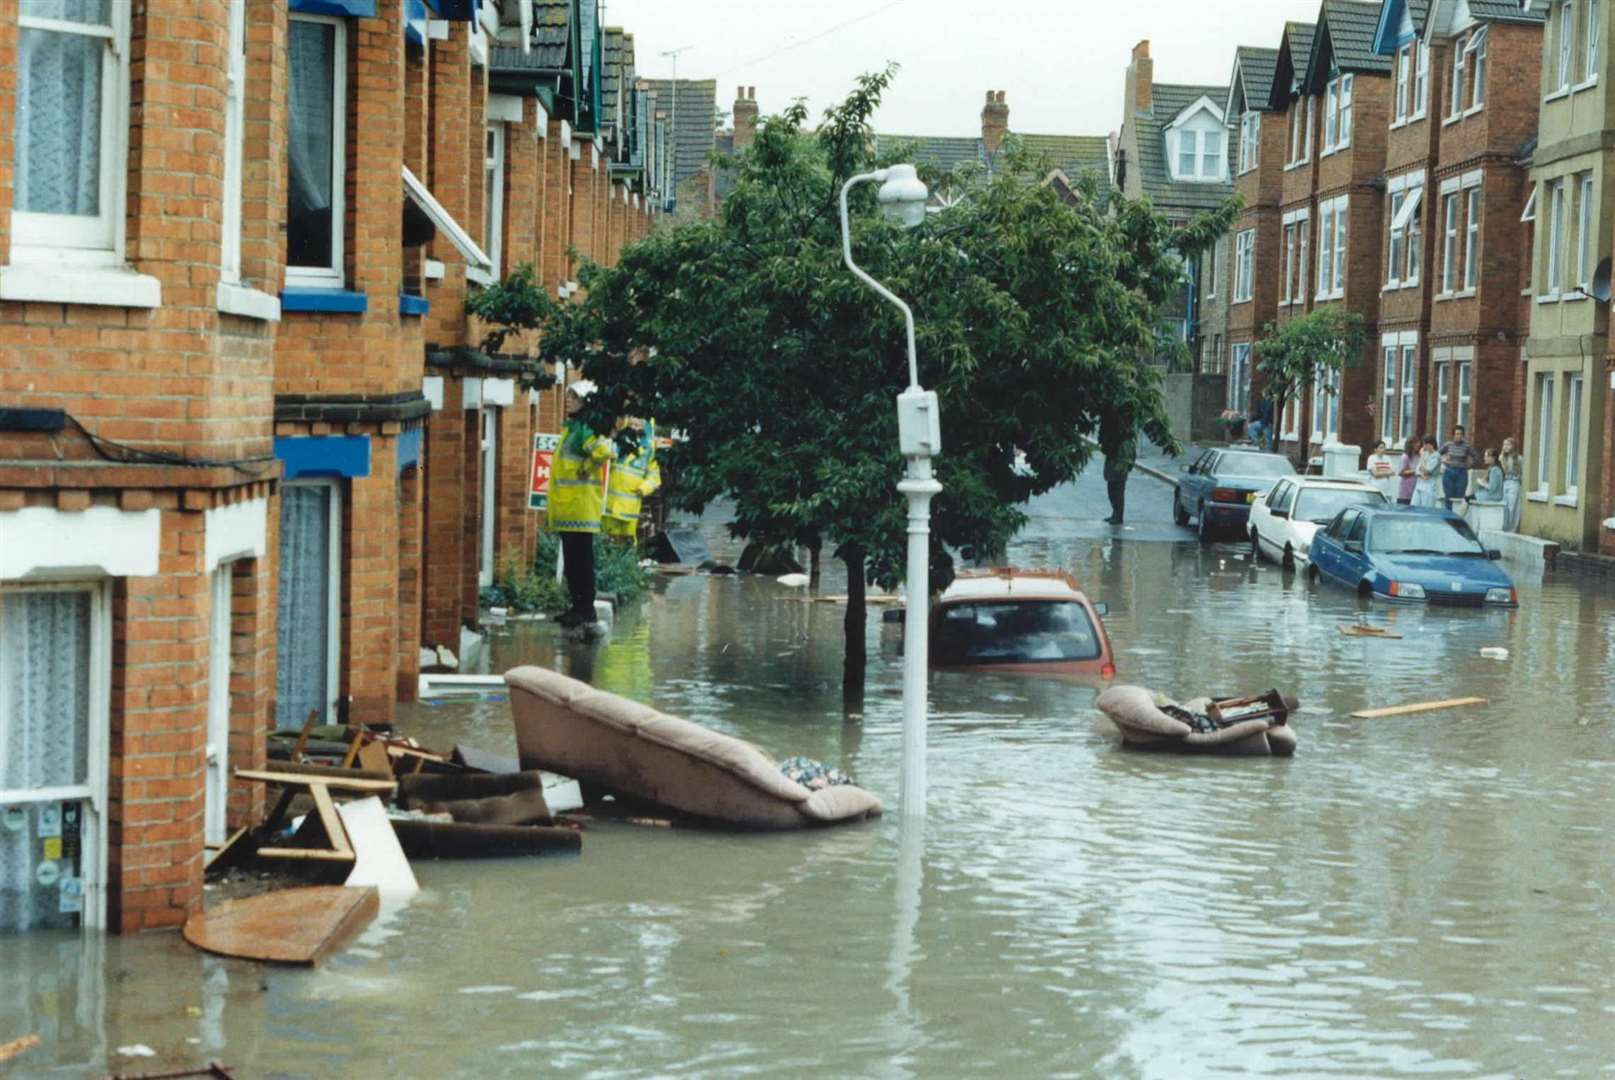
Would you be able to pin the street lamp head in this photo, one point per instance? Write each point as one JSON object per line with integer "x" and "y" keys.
{"x": 903, "y": 196}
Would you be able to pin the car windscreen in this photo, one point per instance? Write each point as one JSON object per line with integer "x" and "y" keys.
{"x": 1320, "y": 505}
{"x": 1423, "y": 536}
{"x": 1018, "y": 632}
{"x": 1254, "y": 465}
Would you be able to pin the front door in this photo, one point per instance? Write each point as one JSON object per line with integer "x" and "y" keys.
{"x": 218, "y": 709}
{"x": 306, "y": 633}
{"x": 490, "y": 463}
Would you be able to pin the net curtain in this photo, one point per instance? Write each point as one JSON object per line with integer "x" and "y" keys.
{"x": 58, "y": 164}
{"x": 44, "y": 731}
{"x": 303, "y": 623}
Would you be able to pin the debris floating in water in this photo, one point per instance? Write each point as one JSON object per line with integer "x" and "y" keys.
{"x": 1494, "y": 652}
{"x": 793, "y": 581}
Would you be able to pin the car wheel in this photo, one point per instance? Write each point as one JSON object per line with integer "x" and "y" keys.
{"x": 1289, "y": 558}
{"x": 1203, "y": 526}
{"x": 1179, "y": 515}
{"x": 1256, "y": 547}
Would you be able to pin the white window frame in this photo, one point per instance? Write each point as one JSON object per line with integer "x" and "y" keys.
{"x": 333, "y": 276}
{"x": 93, "y": 836}
{"x": 1555, "y": 246}
{"x": 1412, "y": 217}
{"x": 1477, "y": 48}
{"x": 1472, "y": 209}
{"x": 1421, "y": 82}
{"x": 1396, "y": 245}
{"x": 1455, "y": 95}
{"x": 1443, "y": 397}
{"x": 488, "y": 524}
{"x": 493, "y": 217}
{"x": 1449, "y": 241}
{"x": 1290, "y": 421}
{"x": 1595, "y": 29}
{"x": 78, "y": 239}
{"x": 1567, "y": 36}
{"x": 1196, "y": 142}
{"x": 1210, "y": 260}
{"x": 1239, "y": 362}
{"x": 1586, "y": 224}
{"x": 1320, "y": 402}
{"x": 1466, "y": 393}
{"x": 1389, "y": 351}
{"x": 1244, "y": 265}
{"x": 235, "y": 104}
{"x": 1250, "y": 141}
{"x": 1331, "y": 116}
{"x": 1303, "y": 262}
{"x": 1544, "y": 432}
{"x": 1572, "y": 443}
{"x": 1404, "y": 84}
{"x": 216, "y": 769}
{"x": 1408, "y": 390}
{"x": 1289, "y": 262}
{"x": 1326, "y": 248}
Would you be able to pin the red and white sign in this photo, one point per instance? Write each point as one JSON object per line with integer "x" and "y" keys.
{"x": 544, "y": 447}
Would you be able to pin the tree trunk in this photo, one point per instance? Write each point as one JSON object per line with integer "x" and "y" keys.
{"x": 853, "y": 662}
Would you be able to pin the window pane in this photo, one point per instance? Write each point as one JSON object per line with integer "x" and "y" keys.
{"x": 311, "y": 131}
{"x": 1186, "y": 153}
{"x": 59, "y": 123}
{"x": 84, "y": 11}
{"x": 44, "y": 689}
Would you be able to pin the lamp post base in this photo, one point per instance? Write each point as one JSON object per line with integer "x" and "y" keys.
{"x": 920, "y": 487}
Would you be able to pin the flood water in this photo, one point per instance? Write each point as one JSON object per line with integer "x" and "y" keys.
{"x": 1425, "y": 895}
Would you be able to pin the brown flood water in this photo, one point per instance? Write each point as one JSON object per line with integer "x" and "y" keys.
{"x": 1424, "y": 895}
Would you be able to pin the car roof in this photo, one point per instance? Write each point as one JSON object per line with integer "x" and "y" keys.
{"x": 1258, "y": 454}
{"x": 1371, "y": 510}
{"x": 1004, "y": 584}
{"x": 1345, "y": 483}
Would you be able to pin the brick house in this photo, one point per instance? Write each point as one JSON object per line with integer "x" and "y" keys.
{"x": 1257, "y": 240}
{"x": 216, "y": 306}
{"x": 1567, "y": 415}
{"x": 1337, "y": 123}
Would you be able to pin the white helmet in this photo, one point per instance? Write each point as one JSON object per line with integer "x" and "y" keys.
{"x": 582, "y": 388}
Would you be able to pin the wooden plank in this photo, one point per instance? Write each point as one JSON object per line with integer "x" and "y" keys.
{"x": 373, "y": 759}
{"x": 334, "y": 830}
{"x": 314, "y": 854}
{"x": 330, "y": 772}
{"x": 1419, "y": 707}
{"x": 302, "y": 736}
{"x": 1358, "y": 630}
{"x": 340, "y": 783}
{"x": 290, "y": 926}
{"x": 17, "y": 1047}
{"x": 353, "y": 748}
{"x": 224, "y": 848}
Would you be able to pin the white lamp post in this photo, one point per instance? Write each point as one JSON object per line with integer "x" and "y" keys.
{"x": 919, "y": 436}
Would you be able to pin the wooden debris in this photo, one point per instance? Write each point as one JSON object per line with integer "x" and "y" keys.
{"x": 224, "y": 851}
{"x": 422, "y": 839}
{"x": 17, "y": 1047}
{"x": 212, "y": 1069}
{"x": 382, "y": 775}
{"x": 301, "y": 745}
{"x": 335, "y": 783}
{"x": 290, "y": 926}
{"x": 1359, "y": 630}
{"x": 1420, "y": 707}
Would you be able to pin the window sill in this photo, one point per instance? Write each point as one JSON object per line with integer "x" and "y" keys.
{"x": 1575, "y": 296}
{"x": 1567, "y": 499}
{"x": 246, "y": 302}
{"x": 1585, "y": 85}
{"x": 1548, "y": 298}
{"x": 413, "y": 305}
{"x": 101, "y": 286}
{"x": 1390, "y": 286}
{"x": 1537, "y": 496}
{"x": 1464, "y": 294}
{"x": 1562, "y": 92}
{"x": 340, "y": 301}
{"x": 1473, "y": 109}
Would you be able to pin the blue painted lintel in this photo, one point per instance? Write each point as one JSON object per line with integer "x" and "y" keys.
{"x": 302, "y": 298}
{"x": 307, "y": 456}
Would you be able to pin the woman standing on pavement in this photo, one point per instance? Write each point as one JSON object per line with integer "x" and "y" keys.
{"x": 1382, "y": 470}
{"x": 1513, "y": 466}
{"x": 1407, "y": 471}
{"x": 1427, "y": 489}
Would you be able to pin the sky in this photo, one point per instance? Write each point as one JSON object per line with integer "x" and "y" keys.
{"x": 1061, "y": 64}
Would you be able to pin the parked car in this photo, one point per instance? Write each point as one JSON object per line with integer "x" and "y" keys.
{"x": 1023, "y": 621}
{"x": 1410, "y": 554}
{"x": 1284, "y": 520}
{"x": 1218, "y": 489}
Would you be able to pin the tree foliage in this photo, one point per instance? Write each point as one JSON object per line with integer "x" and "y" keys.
{"x": 1035, "y": 318}
{"x": 1290, "y": 356}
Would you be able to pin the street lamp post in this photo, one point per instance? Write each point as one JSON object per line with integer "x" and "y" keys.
{"x": 919, "y": 434}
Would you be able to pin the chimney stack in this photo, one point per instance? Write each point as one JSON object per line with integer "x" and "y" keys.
{"x": 745, "y": 116}
{"x": 994, "y": 121}
{"x": 1140, "y": 88}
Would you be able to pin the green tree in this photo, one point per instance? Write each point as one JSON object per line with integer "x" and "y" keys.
{"x": 1291, "y": 356}
{"x": 748, "y": 335}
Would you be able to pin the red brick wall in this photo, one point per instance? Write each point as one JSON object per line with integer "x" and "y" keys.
{"x": 445, "y": 555}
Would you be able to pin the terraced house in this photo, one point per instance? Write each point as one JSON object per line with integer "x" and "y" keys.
{"x": 1258, "y": 236}
{"x": 1567, "y": 412}
{"x": 231, "y": 231}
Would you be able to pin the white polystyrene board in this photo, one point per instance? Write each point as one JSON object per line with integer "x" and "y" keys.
{"x": 43, "y": 542}
{"x": 506, "y": 107}
{"x": 471, "y": 393}
{"x": 432, "y": 391}
{"x": 379, "y": 860}
{"x": 433, "y": 270}
{"x": 237, "y": 531}
{"x": 499, "y": 391}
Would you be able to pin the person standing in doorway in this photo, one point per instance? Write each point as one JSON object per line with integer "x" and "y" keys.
{"x": 577, "y": 499}
{"x": 1457, "y": 458}
{"x": 1117, "y": 466}
{"x": 1513, "y": 466}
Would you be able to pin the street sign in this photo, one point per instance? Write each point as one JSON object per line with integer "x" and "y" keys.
{"x": 544, "y": 447}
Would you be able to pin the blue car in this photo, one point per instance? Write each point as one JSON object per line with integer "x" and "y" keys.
{"x": 1409, "y": 554}
{"x": 1218, "y": 489}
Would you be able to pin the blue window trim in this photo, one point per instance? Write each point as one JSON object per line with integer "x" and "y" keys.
{"x": 412, "y": 305}
{"x": 302, "y": 298}
{"x": 456, "y": 10}
{"x": 409, "y": 449}
{"x": 415, "y": 22}
{"x": 305, "y": 456}
{"x": 342, "y": 9}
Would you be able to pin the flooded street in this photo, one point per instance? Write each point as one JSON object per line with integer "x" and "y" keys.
{"x": 1419, "y": 895}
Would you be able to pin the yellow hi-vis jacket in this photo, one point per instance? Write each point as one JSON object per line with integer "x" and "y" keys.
{"x": 576, "y": 495}
{"x": 631, "y": 480}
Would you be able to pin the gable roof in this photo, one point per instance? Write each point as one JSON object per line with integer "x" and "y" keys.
{"x": 1068, "y": 155}
{"x": 1439, "y": 20}
{"x": 1252, "y": 79}
{"x": 1294, "y": 62}
{"x": 549, "y": 42}
{"x": 1388, "y": 36}
{"x": 1154, "y": 174}
{"x": 693, "y": 136}
{"x": 1345, "y": 40}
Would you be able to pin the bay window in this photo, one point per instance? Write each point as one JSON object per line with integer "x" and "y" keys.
{"x": 493, "y": 200}
{"x": 1326, "y": 248}
{"x": 316, "y": 121}
{"x": 1302, "y": 262}
{"x": 1289, "y": 263}
{"x": 1404, "y": 417}
{"x": 1472, "y": 240}
{"x": 1464, "y": 393}
{"x": 1397, "y": 247}
{"x": 1337, "y": 114}
{"x": 1553, "y": 278}
{"x": 71, "y": 77}
{"x": 1544, "y": 433}
{"x": 1244, "y": 264}
{"x": 1449, "y": 242}
{"x": 1387, "y": 397}
{"x": 1456, "y": 97}
{"x": 1573, "y": 437}
{"x": 1589, "y": 57}
{"x": 1586, "y": 224}
{"x": 1421, "y": 81}
{"x": 1404, "y": 82}
{"x": 1566, "y": 42}
{"x": 1443, "y": 397}
{"x": 1250, "y": 141}
{"x": 1477, "y": 50}
{"x": 1409, "y": 219}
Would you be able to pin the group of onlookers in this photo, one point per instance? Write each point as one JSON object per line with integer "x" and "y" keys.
{"x": 1428, "y": 475}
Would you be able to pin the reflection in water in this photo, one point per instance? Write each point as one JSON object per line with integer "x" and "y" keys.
{"x": 1425, "y": 894}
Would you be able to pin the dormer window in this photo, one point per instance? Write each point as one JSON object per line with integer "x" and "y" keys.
{"x": 1197, "y": 144}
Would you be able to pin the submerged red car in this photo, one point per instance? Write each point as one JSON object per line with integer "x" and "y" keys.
{"x": 1023, "y": 621}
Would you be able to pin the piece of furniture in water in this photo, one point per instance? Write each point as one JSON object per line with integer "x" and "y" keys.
{"x": 1144, "y": 726}
{"x": 612, "y": 744}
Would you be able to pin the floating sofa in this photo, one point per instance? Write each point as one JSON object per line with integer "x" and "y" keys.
{"x": 1144, "y": 726}
{"x": 615, "y": 745}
